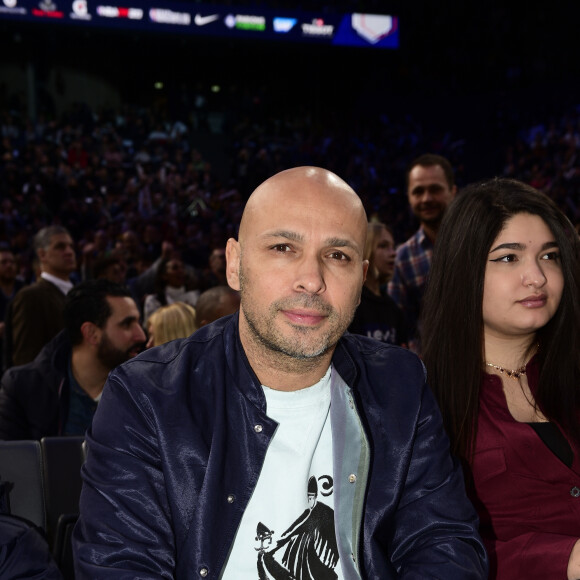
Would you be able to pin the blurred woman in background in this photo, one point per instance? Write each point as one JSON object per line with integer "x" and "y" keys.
{"x": 171, "y": 285}
{"x": 377, "y": 315}
{"x": 177, "y": 320}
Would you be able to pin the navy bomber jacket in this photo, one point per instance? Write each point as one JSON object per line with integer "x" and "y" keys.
{"x": 180, "y": 435}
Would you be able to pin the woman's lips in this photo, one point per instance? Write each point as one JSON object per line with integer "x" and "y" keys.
{"x": 535, "y": 301}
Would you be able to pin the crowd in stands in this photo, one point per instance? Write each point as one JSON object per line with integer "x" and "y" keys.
{"x": 146, "y": 209}
{"x": 126, "y": 182}
{"x": 546, "y": 156}
{"x": 123, "y": 181}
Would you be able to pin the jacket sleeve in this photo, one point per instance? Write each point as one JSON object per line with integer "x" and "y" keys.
{"x": 435, "y": 532}
{"x": 124, "y": 529}
{"x": 27, "y": 340}
{"x": 527, "y": 555}
{"x": 13, "y": 422}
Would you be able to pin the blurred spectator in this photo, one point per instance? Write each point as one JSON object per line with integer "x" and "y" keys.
{"x": 143, "y": 282}
{"x": 377, "y": 315}
{"x": 111, "y": 268}
{"x": 35, "y": 314}
{"x": 171, "y": 285}
{"x": 215, "y": 273}
{"x": 216, "y": 302}
{"x": 9, "y": 285}
{"x": 131, "y": 249}
{"x": 430, "y": 189}
{"x": 58, "y": 392}
{"x": 177, "y": 320}
{"x": 94, "y": 251}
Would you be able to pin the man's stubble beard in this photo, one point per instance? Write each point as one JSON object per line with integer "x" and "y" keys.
{"x": 293, "y": 349}
{"x": 432, "y": 222}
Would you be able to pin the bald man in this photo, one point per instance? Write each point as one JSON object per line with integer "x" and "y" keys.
{"x": 270, "y": 444}
{"x": 216, "y": 302}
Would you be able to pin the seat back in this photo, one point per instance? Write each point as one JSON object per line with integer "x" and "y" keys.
{"x": 21, "y": 468}
{"x": 62, "y": 458}
{"x": 62, "y": 551}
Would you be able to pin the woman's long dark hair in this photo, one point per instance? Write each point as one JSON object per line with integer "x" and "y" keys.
{"x": 452, "y": 328}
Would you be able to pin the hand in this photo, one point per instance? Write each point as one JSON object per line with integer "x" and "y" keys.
{"x": 574, "y": 562}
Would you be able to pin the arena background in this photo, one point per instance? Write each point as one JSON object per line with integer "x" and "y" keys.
{"x": 474, "y": 72}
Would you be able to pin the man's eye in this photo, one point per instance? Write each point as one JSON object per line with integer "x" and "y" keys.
{"x": 339, "y": 256}
{"x": 281, "y": 248}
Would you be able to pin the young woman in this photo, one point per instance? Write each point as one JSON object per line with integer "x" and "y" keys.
{"x": 501, "y": 346}
{"x": 377, "y": 315}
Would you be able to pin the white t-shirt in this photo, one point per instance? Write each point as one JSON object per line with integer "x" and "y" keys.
{"x": 288, "y": 525}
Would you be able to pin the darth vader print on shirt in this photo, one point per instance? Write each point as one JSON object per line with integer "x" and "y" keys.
{"x": 307, "y": 550}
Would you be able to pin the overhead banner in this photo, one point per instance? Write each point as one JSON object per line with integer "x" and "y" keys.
{"x": 364, "y": 30}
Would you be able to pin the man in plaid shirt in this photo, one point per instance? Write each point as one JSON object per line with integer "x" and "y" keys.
{"x": 430, "y": 189}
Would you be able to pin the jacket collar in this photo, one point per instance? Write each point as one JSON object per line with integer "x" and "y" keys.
{"x": 239, "y": 366}
{"x": 56, "y": 353}
{"x": 344, "y": 362}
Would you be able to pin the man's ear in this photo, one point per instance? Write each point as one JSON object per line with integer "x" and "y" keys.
{"x": 233, "y": 255}
{"x": 91, "y": 333}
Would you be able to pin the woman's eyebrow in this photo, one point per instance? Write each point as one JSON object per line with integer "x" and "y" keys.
{"x": 521, "y": 247}
{"x": 509, "y": 246}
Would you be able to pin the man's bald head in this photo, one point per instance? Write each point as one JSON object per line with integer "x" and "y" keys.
{"x": 298, "y": 264}
{"x": 312, "y": 186}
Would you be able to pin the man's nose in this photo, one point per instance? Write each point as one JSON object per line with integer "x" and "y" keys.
{"x": 139, "y": 334}
{"x": 310, "y": 276}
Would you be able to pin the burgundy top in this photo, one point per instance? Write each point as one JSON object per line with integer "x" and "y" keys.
{"x": 528, "y": 500}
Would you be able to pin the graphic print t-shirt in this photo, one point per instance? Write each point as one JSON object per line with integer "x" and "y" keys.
{"x": 287, "y": 530}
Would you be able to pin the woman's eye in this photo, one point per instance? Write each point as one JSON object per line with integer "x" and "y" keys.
{"x": 555, "y": 256}
{"x": 507, "y": 258}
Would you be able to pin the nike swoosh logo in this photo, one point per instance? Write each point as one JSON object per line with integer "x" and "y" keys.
{"x": 203, "y": 20}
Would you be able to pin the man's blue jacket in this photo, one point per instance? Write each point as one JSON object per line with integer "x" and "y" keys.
{"x": 180, "y": 435}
